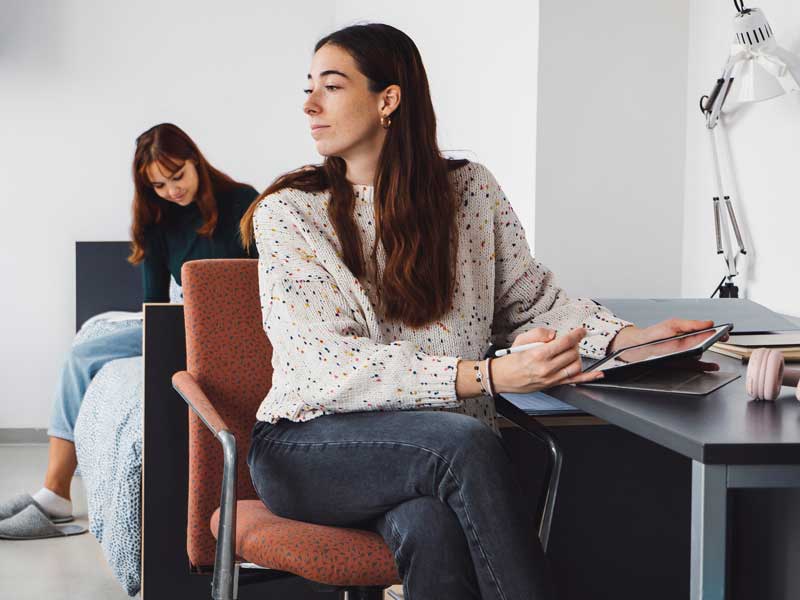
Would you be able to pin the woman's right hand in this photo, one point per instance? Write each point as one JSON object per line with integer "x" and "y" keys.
{"x": 557, "y": 362}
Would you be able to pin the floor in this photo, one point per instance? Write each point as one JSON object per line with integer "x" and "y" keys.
{"x": 56, "y": 569}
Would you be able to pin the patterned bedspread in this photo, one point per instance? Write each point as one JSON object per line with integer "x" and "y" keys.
{"x": 108, "y": 442}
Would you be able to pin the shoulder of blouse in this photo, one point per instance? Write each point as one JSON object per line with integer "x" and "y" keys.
{"x": 471, "y": 175}
{"x": 286, "y": 200}
{"x": 475, "y": 185}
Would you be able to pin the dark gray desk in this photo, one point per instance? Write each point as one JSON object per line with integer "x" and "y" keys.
{"x": 732, "y": 442}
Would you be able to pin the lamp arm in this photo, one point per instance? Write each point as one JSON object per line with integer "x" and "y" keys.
{"x": 712, "y": 104}
{"x": 723, "y": 241}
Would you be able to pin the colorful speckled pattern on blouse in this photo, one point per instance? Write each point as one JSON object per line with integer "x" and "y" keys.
{"x": 333, "y": 351}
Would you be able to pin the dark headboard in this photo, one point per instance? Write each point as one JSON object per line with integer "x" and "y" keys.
{"x": 105, "y": 280}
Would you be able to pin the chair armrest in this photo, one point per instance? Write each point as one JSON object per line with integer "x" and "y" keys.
{"x": 521, "y": 419}
{"x": 547, "y": 500}
{"x": 224, "y": 584}
{"x": 197, "y": 400}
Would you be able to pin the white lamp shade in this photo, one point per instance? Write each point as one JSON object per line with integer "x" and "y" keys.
{"x": 760, "y": 68}
{"x": 753, "y": 81}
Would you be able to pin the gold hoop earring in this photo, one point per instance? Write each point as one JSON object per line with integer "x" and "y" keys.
{"x": 386, "y": 122}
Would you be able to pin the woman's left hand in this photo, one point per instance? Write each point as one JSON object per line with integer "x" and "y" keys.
{"x": 632, "y": 335}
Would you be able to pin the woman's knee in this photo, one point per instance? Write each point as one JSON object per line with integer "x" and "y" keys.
{"x": 76, "y": 366}
{"x": 82, "y": 354}
{"x": 473, "y": 438}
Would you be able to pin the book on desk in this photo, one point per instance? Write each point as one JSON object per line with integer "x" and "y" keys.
{"x": 743, "y": 348}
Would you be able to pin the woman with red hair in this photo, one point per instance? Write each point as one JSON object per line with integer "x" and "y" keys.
{"x": 183, "y": 209}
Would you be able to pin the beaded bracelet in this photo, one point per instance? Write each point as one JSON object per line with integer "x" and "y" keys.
{"x": 487, "y": 389}
{"x": 479, "y": 376}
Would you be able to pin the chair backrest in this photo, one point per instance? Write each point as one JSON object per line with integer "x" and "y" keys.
{"x": 229, "y": 355}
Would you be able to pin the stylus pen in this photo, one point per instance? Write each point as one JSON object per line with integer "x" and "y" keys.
{"x": 504, "y": 351}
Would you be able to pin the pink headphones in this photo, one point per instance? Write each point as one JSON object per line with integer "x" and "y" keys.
{"x": 766, "y": 375}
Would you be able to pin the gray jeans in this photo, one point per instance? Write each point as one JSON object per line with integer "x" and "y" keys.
{"x": 439, "y": 487}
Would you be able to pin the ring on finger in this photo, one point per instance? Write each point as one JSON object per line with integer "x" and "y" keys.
{"x": 566, "y": 372}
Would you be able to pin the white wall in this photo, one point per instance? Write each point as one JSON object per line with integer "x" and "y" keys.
{"x": 610, "y": 148}
{"x": 79, "y": 80}
{"x": 481, "y": 60}
{"x": 764, "y": 144}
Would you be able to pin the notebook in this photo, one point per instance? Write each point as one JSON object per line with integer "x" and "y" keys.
{"x": 539, "y": 403}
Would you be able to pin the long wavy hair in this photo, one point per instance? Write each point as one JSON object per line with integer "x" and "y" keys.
{"x": 170, "y": 147}
{"x": 415, "y": 205}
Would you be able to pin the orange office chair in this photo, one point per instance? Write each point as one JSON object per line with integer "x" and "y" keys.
{"x": 228, "y": 374}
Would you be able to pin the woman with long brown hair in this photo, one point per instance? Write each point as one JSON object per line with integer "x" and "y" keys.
{"x": 387, "y": 273}
{"x": 183, "y": 209}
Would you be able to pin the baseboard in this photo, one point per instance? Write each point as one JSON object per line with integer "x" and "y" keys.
{"x": 23, "y": 435}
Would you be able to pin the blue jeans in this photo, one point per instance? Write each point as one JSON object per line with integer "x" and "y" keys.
{"x": 84, "y": 361}
{"x": 439, "y": 487}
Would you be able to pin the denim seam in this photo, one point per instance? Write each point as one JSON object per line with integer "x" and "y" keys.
{"x": 418, "y": 447}
{"x": 477, "y": 539}
{"x": 399, "y": 542}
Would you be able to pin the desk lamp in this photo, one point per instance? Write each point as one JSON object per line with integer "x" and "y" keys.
{"x": 757, "y": 69}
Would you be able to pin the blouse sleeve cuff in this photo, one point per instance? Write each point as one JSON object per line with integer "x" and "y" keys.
{"x": 600, "y": 330}
{"x": 434, "y": 380}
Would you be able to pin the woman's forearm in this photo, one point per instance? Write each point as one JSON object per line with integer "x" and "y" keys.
{"x": 627, "y": 336}
{"x": 466, "y": 386}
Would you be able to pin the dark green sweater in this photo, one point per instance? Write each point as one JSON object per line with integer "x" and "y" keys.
{"x": 175, "y": 240}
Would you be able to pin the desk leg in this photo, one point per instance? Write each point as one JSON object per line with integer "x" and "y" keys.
{"x": 709, "y": 531}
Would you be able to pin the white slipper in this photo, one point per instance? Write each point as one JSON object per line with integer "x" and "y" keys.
{"x": 32, "y": 524}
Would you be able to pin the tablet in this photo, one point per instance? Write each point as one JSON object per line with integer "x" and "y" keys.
{"x": 686, "y": 345}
